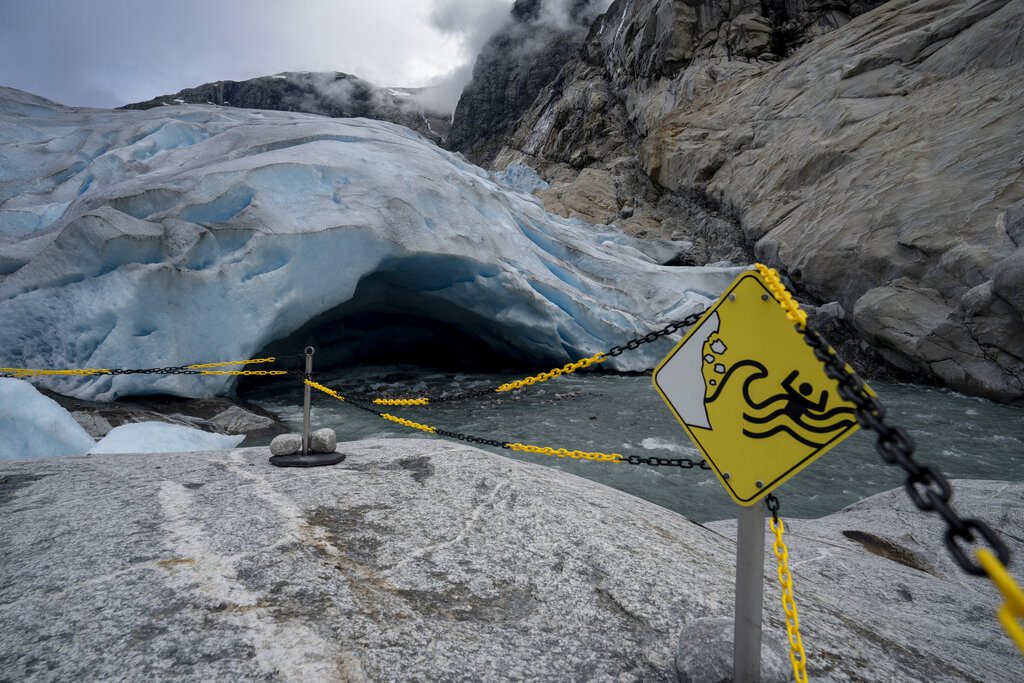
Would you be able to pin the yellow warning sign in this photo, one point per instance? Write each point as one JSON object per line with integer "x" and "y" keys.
{"x": 750, "y": 393}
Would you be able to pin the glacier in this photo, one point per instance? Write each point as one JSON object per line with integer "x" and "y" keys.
{"x": 199, "y": 233}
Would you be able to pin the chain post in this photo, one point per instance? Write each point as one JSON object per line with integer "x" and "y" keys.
{"x": 307, "y": 399}
{"x": 749, "y": 593}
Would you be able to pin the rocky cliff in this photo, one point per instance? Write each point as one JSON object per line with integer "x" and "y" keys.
{"x": 333, "y": 94}
{"x": 422, "y": 560}
{"x": 876, "y": 156}
{"x": 513, "y": 66}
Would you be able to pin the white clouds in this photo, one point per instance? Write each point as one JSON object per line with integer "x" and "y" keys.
{"x": 110, "y": 52}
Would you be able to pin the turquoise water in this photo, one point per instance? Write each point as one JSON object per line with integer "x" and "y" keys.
{"x": 965, "y": 437}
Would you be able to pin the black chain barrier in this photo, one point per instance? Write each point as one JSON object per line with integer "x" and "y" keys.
{"x": 152, "y": 371}
{"x": 928, "y": 488}
{"x": 684, "y": 463}
{"x": 654, "y": 336}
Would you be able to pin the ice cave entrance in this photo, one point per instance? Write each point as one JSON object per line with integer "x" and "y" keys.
{"x": 393, "y": 318}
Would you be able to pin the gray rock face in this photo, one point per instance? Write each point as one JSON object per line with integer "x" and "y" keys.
{"x": 425, "y": 560}
{"x": 326, "y": 93}
{"x": 286, "y": 444}
{"x": 323, "y": 441}
{"x": 222, "y": 416}
{"x": 513, "y": 67}
{"x": 237, "y": 420}
{"x": 874, "y": 155}
{"x": 880, "y": 163}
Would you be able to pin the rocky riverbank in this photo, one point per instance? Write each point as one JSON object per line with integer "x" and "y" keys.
{"x": 417, "y": 559}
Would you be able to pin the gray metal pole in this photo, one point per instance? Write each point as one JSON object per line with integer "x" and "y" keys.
{"x": 749, "y": 593}
{"x": 306, "y": 401}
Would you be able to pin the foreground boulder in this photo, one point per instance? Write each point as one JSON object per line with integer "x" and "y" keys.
{"x": 426, "y": 560}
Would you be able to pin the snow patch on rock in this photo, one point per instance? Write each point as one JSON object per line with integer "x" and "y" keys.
{"x": 160, "y": 437}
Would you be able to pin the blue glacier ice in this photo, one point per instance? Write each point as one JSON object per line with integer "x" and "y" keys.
{"x": 199, "y": 233}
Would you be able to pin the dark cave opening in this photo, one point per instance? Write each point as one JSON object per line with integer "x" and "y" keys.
{"x": 394, "y": 319}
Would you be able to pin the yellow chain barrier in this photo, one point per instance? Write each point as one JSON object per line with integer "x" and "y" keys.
{"x": 402, "y": 401}
{"x": 782, "y": 295}
{"x": 31, "y": 372}
{"x": 1012, "y": 612}
{"x": 566, "y": 369}
{"x": 564, "y": 453}
{"x": 409, "y": 423}
{"x": 247, "y": 373}
{"x": 254, "y": 361}
{"x": 797, "y": 656}
{"x": 326, "y": 390}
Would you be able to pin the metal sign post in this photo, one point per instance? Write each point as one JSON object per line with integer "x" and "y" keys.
{"x": 749, "y": 593}
{"x": 307, "y": 399}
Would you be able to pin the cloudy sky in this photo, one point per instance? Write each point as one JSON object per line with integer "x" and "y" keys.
{"x": 106, "y": 53}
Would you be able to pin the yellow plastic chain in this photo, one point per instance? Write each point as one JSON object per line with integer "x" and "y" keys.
{"x": 402, "y": 401}
{"x": 326, "y": 390}
{"x": 244, "y": 372}
{"x": 566, "y": 369}
{"x": 409, "y": 423}
{"x": 782, "y": 295}
{"x": 1012, "y": 612}
{"x": 31, "y": 372}
{"x": 254, "y": 361}
{"x": 797, "y": 656}
{"x": 564, "y": 453}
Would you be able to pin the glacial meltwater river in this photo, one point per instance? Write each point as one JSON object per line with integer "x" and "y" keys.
{"x": 965, "y": 437}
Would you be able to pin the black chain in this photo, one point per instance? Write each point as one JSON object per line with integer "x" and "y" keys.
{"x": 671, "y": 328}
{"x": 442, "y": 432}
{"x": 773, "y": 506}
{"x": 684, "y": 463}
{"x": 928, "y": 488}
{"x": 153, "y": 371}
{"x": 472, "y": 439}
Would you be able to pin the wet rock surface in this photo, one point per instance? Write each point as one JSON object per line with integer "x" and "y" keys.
{"x": 425, "y": 560}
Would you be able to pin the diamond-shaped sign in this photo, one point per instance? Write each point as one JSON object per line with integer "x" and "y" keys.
{"x": 750, "y": 393}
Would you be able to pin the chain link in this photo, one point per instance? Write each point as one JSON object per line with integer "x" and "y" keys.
{"x": 684, "y": 463}
{"x": 195, "y": 369}
{"x": 797, "y": 656}
{"x": 654, "y": 336}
